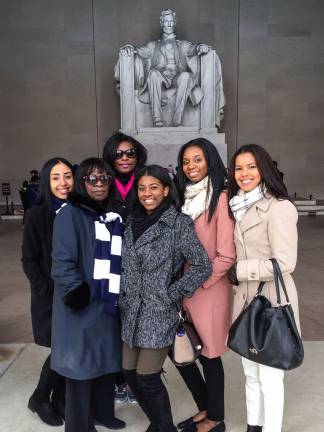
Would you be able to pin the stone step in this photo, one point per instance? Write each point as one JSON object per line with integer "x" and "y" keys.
{"x": 311, "y": 213}
{"x": 304, "y": 202}
{"x": 310, "y": 208}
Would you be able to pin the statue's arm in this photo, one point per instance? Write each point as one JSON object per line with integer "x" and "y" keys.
{"x": 192, "y": 49}
{"x": 127, "y": 50}
{"x": 202, "y": 48}
{"x": 145, "y": 51}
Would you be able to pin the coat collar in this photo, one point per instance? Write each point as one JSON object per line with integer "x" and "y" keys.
{"x": 168, "y": 218}
{"x": 86, "y": 203}
{"x": 251, "y": 217}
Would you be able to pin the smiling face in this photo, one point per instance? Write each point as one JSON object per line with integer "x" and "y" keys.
{"x": 61, "y": 180}
{"x": 151, "y": 192}
{"x": 247, "y": 174}
{"x": 98, "y": 190}
{"x": 125, "y": 164}
{"x": 194, "y": 164}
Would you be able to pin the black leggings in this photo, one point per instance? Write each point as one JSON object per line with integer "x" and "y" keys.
{"x": 50, "y": 382}
{"x": 208, "y": 393}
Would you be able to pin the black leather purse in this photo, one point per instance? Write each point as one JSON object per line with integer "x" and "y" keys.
{"x": 266, "y": 334}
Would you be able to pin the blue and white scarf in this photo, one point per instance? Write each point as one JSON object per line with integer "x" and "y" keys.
{"x": 107, "y": 265}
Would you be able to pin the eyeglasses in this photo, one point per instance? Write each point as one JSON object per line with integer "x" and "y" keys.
{"x": 130, "y": 153}
{"x": 92, "y": 179}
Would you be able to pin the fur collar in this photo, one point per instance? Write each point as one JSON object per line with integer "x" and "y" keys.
{"x": 86, "y": 203}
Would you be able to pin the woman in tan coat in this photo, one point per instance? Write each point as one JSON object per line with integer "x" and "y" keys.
{"x": 201, "y": 180}
{"x": 265, "y": 228}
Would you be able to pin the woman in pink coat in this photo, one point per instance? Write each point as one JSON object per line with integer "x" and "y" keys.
{"x": 201, "y": 184}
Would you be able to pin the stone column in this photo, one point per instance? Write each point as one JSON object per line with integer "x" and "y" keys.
{"x": 127, "y": 94}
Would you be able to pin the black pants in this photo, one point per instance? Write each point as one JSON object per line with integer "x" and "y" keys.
{"x": 50, "y": 382}
{"x": 208, "y": 393}
{"x": 120, "y": 379}
{"x": 89, "y": 399}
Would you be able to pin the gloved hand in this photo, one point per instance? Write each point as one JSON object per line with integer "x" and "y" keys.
{"x": 78, "y": 298}
{"x": 232, "y": 276}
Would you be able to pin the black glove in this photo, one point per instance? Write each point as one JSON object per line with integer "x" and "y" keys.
{"x": 78, "y": 298}
{"x": 232, "y": 276}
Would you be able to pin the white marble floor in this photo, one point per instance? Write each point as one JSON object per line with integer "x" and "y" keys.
{"x": 304, "y": 407}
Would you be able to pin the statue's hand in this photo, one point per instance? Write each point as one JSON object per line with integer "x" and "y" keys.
{"x": 203, "y": 49}
{"x": 127, "y": 50}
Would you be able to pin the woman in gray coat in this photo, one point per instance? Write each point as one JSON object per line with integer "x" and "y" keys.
{"x": 157, "y": 242}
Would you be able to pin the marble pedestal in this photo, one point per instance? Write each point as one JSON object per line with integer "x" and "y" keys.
{"x": 163, "y": 143}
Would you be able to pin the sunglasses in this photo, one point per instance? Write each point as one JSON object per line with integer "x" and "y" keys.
{"x": 130, "y": 153}
{"x": 92, "y": 179}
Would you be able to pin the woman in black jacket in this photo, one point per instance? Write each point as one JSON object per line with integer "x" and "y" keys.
{"x": 125, "y": 155}
{"x": 56, "y": 182}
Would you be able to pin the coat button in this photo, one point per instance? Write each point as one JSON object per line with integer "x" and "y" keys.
{"x": 244, "y": 296}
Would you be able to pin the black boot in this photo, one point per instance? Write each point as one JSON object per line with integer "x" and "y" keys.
{"x": 131, "y": 379}
{"x": 254, "y": 428}
{"x": 158, "y": 400}
{"x": 45, "y": 411}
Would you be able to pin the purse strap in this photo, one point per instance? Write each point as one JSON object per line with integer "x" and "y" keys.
{"x": 278, "y": 278}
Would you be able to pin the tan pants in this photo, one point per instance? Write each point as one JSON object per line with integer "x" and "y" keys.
{"x": 144, "y": 360}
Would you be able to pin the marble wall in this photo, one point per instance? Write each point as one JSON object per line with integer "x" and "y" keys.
{"x": 57, "y": 88}
{"x": 281, "y": 87}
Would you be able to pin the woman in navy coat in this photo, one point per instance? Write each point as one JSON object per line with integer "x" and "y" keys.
{"x": 56, "y": 182}
{"x": 86, "y": 344}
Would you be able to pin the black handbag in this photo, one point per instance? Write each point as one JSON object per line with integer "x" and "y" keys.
{"x": 187, "y": 344}
{"x": 266, "y": 334}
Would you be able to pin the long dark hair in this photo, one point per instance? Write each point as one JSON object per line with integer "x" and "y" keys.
{"x": 269, "y": 173}
{"x": 44, "y": 191}
{"x": 85, "y": 168}
{"x": 216, "y": 172}
{"x": 111, "y": 146}
{"x": 162, "y": 175}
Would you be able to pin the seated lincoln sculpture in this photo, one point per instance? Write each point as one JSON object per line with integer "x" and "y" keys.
{"x": 167, "y": 63}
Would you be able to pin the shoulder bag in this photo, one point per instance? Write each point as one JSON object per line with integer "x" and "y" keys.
{"x": 268, "y": 334}
{"x": 187, "y": 344}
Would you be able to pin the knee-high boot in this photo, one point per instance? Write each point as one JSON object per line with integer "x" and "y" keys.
{"x": 131, "y": 379}
{"x": 158, "y": 399}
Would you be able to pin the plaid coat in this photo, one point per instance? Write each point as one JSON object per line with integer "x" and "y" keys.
{"x": 150, "y": 294}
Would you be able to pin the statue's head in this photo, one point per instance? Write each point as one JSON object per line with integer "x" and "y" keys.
{"x": 168, "y": 20}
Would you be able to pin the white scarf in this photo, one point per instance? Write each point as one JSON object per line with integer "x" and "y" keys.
{"x": 241, "y": 202}
{"x": 196, "y": 199}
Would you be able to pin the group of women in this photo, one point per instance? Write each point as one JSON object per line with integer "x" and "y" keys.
{"x": 129, "y": 249}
